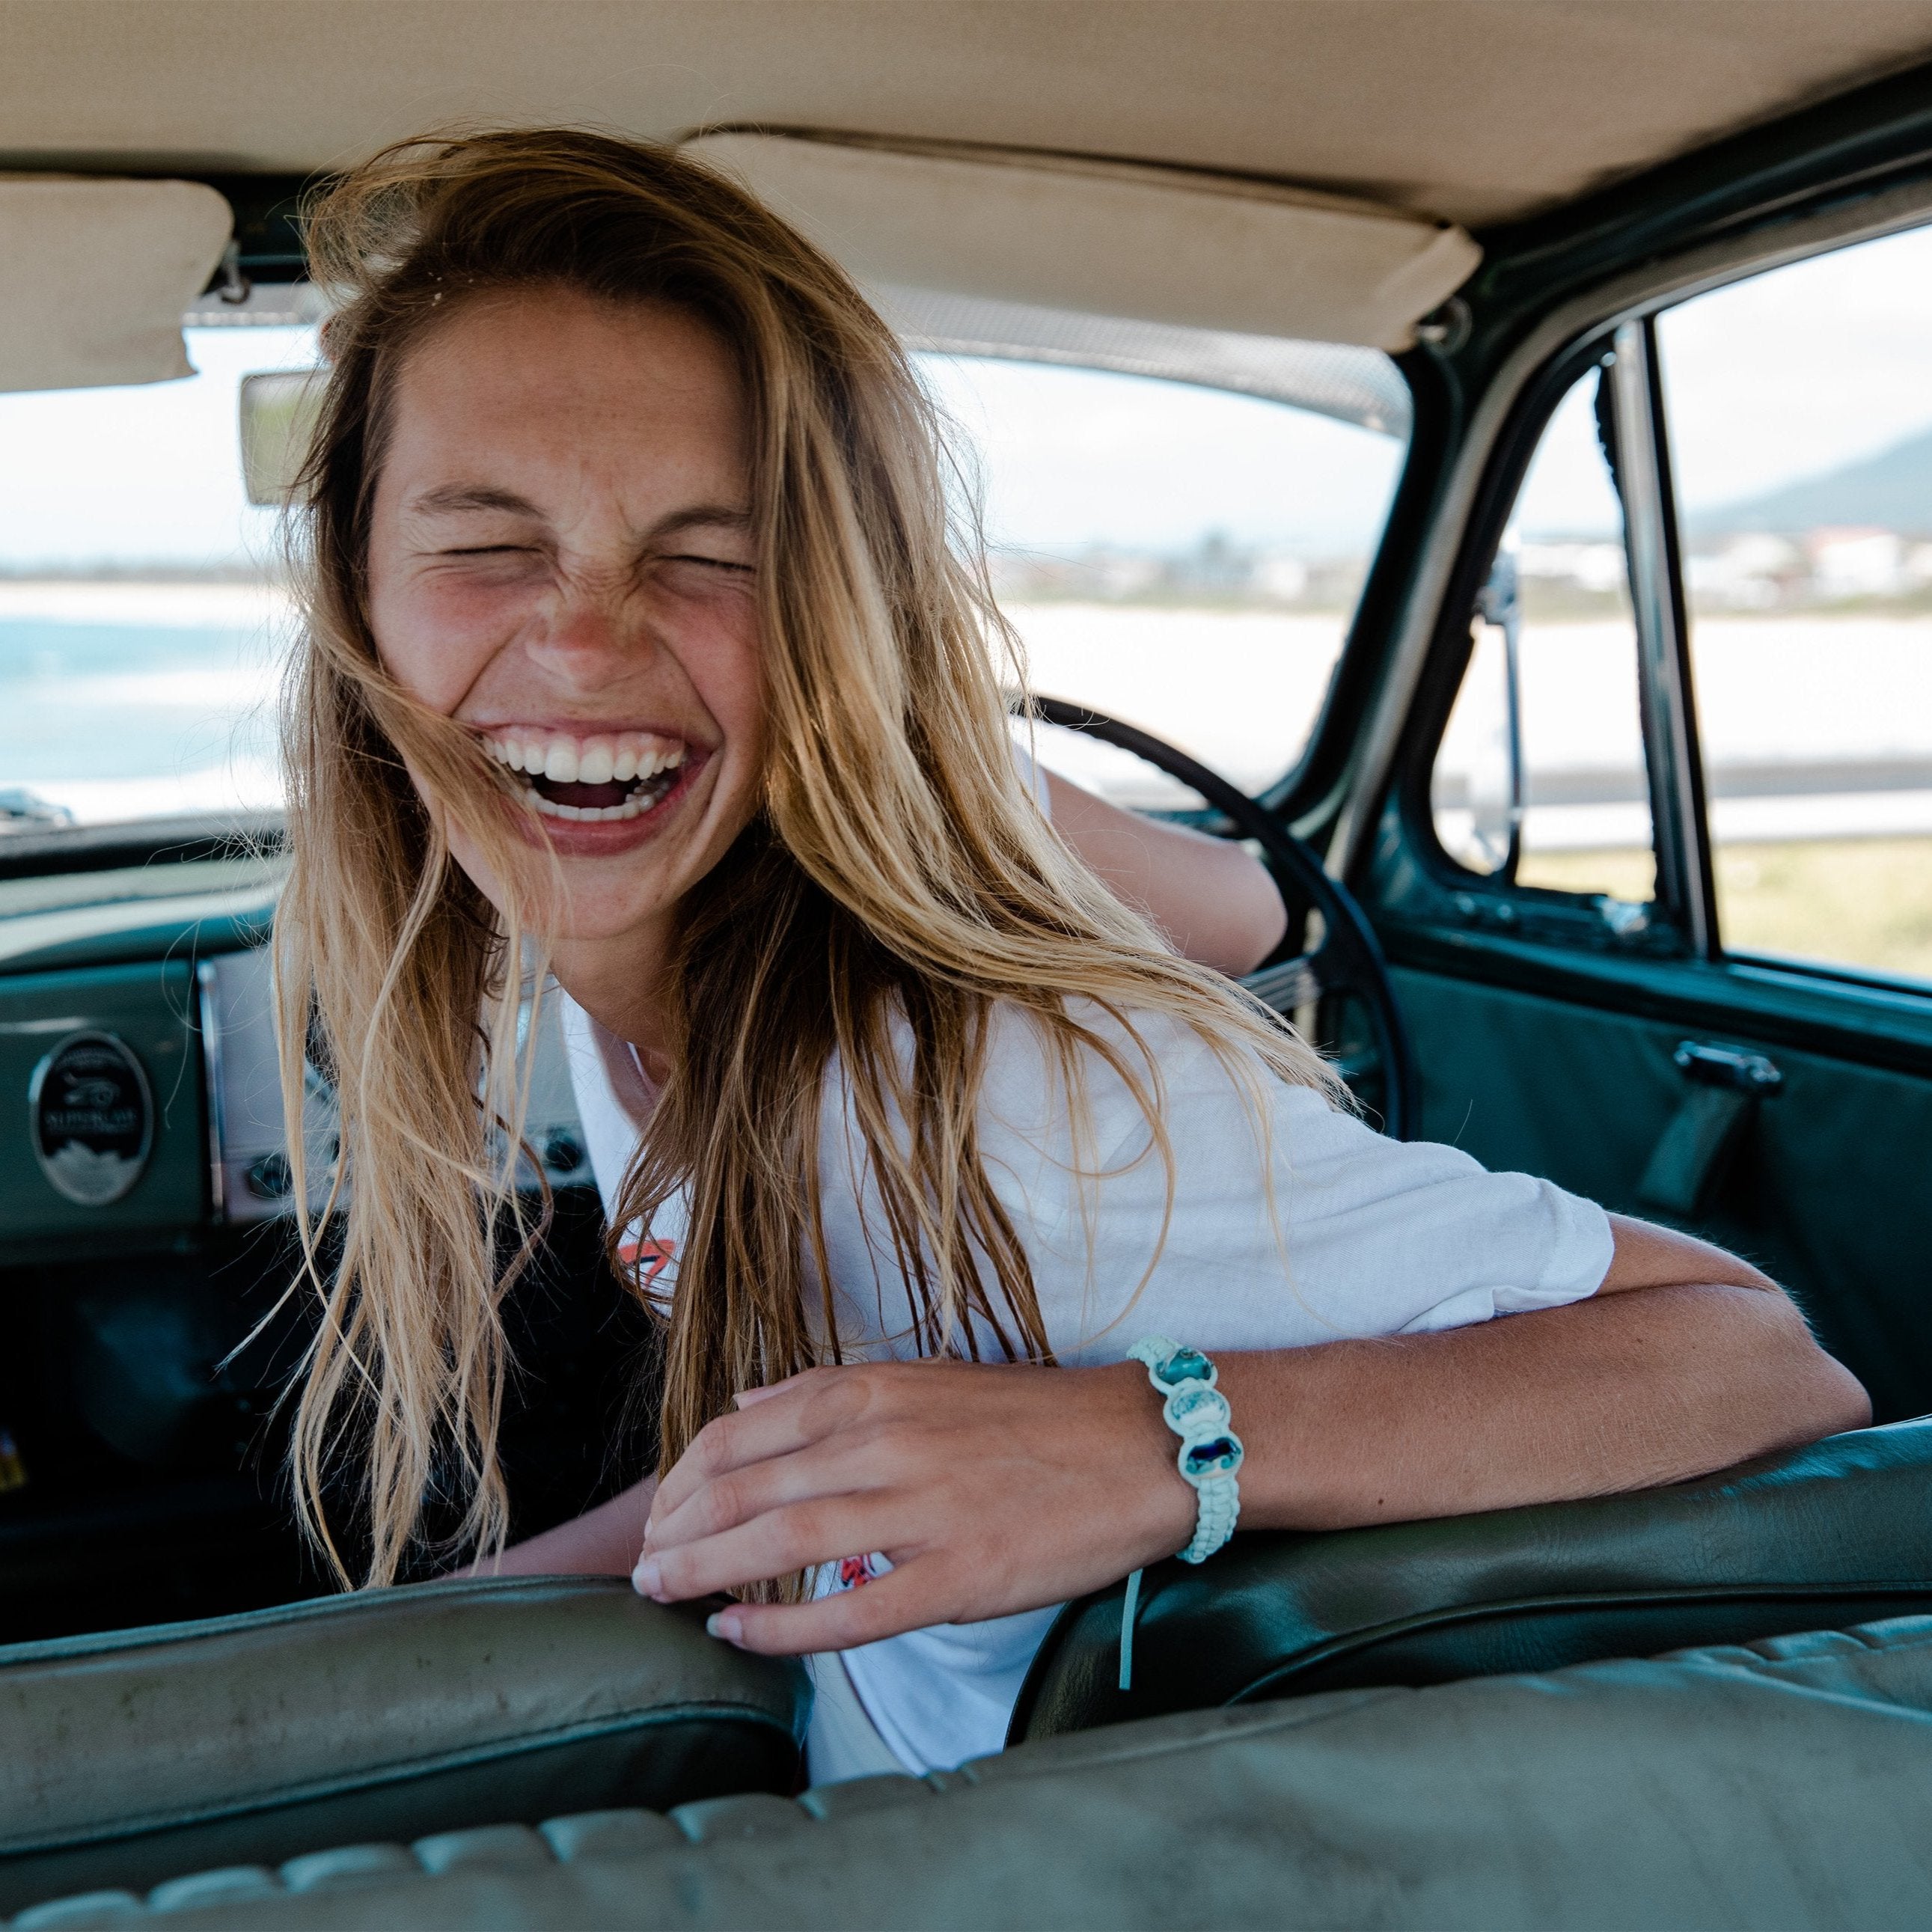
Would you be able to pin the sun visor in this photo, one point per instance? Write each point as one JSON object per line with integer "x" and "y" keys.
{"x": 1154, "y": 244}
{"x": 96, "y": 275}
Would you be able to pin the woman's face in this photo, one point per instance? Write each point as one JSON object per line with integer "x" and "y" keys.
{"x": 561, "y": 559}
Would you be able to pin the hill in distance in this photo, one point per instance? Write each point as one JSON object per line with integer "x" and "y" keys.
{"x": 1892, "y": 489}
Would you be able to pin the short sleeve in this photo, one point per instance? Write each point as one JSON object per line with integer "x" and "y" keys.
{"x": 1426, "y": 1237}
{"x": 1317, "y": 1230}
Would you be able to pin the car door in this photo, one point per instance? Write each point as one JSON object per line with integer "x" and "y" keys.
{"x": 1653, "y": 858}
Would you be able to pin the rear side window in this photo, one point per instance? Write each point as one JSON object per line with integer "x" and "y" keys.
{"x": 1800, "y": 411}
{"x": 1185, "y": 558}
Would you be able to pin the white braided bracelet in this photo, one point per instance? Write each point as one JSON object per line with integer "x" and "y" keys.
{"x": 1210, "y": 1452}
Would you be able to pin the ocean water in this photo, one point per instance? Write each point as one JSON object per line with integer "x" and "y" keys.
{"x": 126, "y": 720}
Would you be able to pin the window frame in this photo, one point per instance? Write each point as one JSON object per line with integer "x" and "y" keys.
{"x": 1681, "y": 922}
{"x": 1454, "y": 893}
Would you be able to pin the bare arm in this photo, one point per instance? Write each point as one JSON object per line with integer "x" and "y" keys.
{"x": 1686, "y": 1359}
{"x": 1215, "y": 902}
{"x": 995, "y": 1489}
{"x": 602, "y": 1542}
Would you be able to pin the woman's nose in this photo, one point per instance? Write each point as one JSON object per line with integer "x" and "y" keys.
{"x": 584, "y": 637}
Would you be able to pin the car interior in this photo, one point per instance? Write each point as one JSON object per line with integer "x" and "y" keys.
{"x": 1479, "y": 455}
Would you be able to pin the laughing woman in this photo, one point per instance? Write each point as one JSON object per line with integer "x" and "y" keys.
{"x": 641, "y": 642}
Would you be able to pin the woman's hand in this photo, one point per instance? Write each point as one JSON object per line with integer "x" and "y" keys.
{"x": 991, "y": 1489}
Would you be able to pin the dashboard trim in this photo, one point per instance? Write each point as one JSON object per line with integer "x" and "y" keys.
{"x": 208, "y": 1021}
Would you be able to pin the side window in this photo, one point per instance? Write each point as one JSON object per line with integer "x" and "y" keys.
{"x": 141, "y": 622}
{"x": 1540, "y": 778}
{"x": 1185, "y": 558}
{"x": 1800, "y": 413}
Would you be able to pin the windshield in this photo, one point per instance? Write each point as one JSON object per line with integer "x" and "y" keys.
{"x": 1182, "y": 556}
{"x": 141, "y": 628}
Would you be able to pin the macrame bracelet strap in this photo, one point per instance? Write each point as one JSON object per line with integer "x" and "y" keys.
{"x": 1210, "y": 1452}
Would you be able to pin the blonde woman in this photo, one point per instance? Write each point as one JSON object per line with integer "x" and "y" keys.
{"x": 641, "y": 645}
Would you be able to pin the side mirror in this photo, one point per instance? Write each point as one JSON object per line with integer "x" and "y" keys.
{"x": 279, "y": 410}
{"x": 1500, "y": 604}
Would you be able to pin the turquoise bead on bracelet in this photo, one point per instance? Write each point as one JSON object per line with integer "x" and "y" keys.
{"x": 1210, "y": 1452}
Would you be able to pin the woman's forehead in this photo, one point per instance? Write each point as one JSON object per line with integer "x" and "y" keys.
{"x": 554, "y": 345}
{"x": 532, "y": 392}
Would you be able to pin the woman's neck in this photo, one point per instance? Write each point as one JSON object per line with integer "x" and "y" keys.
{"x": 620, "y": 982}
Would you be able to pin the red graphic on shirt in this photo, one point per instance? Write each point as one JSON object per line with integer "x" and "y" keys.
{"x": 855, "y": 1571}
{"x": 647, "y": 1255}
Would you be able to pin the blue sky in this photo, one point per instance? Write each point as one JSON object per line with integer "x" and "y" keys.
{"x": 1774, "y": 379}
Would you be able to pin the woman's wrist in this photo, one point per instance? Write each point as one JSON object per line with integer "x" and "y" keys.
{"x": 602, "y": 1542}
{"x": 1158, "y": 1507}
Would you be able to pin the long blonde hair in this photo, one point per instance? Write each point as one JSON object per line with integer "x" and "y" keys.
{"x": 897, "y": 884}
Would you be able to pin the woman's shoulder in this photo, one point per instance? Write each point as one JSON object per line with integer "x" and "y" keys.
{"x": 1086, "y": 1096}
{"x": 1118, "y": 1063}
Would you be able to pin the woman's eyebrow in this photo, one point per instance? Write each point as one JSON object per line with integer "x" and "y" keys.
{"x": 706, "y": 516}
{"x": 455, "y": 498}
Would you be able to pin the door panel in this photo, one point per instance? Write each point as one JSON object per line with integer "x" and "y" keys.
{"x": 1828, "y": 1187}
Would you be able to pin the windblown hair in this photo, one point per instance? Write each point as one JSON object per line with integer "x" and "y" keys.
{"x": 897, "y": 884}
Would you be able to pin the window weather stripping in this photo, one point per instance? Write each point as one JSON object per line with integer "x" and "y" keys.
{"x": 1669, "y": 728}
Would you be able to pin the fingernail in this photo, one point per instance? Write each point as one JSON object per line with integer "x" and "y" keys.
{"x": 727, "y": 1625}
{"x": 647, "y": 1578}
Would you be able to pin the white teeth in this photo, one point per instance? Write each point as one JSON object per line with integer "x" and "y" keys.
{"x": 632, "y": 808}
{"x": 590, "y": 761}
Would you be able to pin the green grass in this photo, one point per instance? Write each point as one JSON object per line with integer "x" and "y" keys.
{"x": 1862, "y": 902}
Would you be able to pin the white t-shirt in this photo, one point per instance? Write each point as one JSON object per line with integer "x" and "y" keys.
{"x": 1369, "y": 1236}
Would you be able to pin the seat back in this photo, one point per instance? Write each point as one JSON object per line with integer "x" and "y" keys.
{"x": 1823, "y": 1536}
{"x": 135, "y": 1755}
{"x": 1790, "y": 1785}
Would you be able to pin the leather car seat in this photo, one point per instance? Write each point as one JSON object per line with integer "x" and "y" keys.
{"x": 1787, "y": 1785}
{"x": 132, "y": 1756}
{"x": 1819, "y": 1537}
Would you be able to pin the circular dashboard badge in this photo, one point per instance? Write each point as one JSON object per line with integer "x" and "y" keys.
{"x": 92, "y": 1118}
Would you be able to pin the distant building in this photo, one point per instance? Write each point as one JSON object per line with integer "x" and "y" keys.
{"x": 1217, "y": 570}
{"x": 1597, "y": 567}
{"x": 1855, "y": 562}
{"x": 1751, "y": 572}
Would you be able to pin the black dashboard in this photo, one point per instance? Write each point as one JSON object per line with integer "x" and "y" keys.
{"x": 148, "y": 1329}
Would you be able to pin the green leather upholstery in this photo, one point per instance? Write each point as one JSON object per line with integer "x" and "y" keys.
{"x": 129, "y": 1757}
{"x": 1828, "y": 1536}
{"x": 1788, "y": 1785}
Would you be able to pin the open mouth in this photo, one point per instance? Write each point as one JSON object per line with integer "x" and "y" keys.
{"x": 604, "y": 778}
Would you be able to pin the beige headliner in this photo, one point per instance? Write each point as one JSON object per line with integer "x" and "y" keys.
{"x": 1110, "y": 238}
{"x": 1476, "y": 110}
